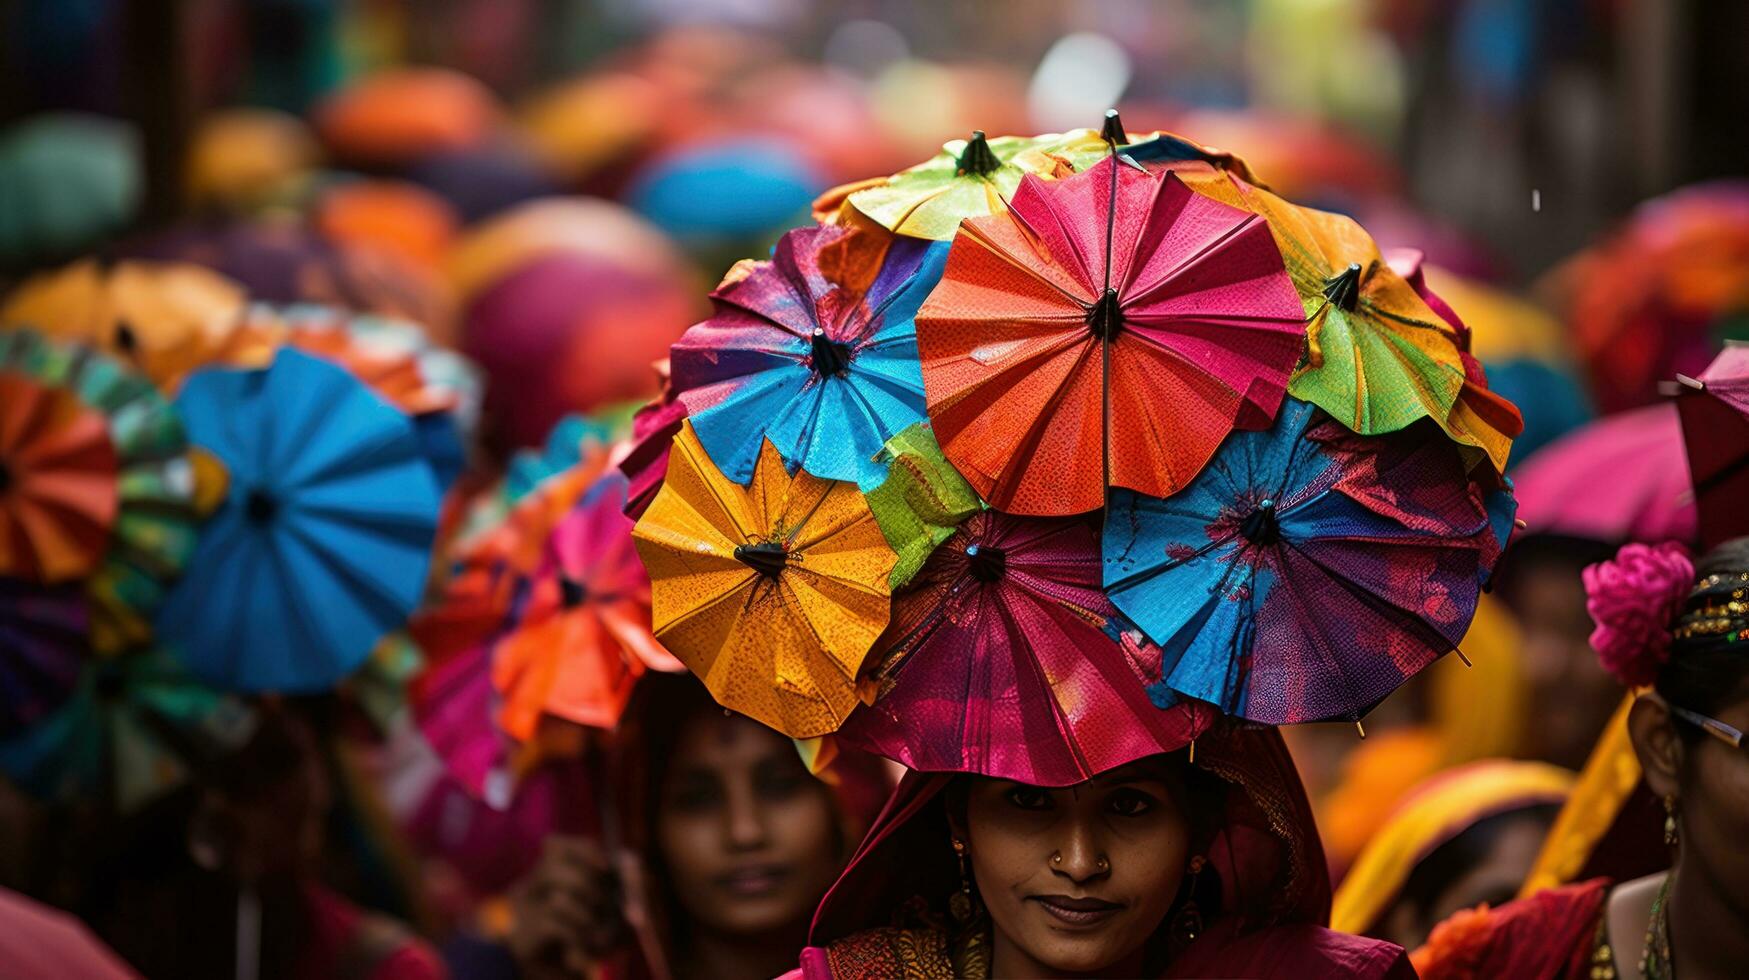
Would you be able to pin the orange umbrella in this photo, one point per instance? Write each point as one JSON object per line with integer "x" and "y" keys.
{"x": 396, "y": 117}
{"x": 390, "y": 216}
{"x": 159, "y": 317}
{"x": 243, "y": 159}
{"x": 773, "y": 593}
{"x": 58, "y": 498}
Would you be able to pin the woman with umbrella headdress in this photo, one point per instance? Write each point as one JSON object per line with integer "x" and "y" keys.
{"x": 1165, "y": 555}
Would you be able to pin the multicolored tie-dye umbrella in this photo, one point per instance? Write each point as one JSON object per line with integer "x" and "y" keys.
{"x": 1110, "y": 329}
{"x": 156, "y": 490}
{"x": 42, "y": 644}
{"x": 825, "y": 373}
{"x": 998, "y": 661}
{"x": 1308, "y": 571}
{"x": 772, "y": 593}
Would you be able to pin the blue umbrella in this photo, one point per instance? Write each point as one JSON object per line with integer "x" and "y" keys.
{"x": 826, "y": 374}
{"x": 324, "y": 539}
{"x": 1306, "y": 572}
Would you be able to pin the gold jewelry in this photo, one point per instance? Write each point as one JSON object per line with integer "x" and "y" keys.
{"x": 1102, "y": 864}
{"x": 1057, "y": 858}
{"x": 1655, "y": 961}
{"x": 969, "y": 947}
{"x": 1669, "y": 820}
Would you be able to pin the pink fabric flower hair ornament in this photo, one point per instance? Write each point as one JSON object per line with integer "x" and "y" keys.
{"x": 1634, "y": 599}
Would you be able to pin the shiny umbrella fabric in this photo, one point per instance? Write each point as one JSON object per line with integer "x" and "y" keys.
{"x": 1109, "y": 330}
{"x": 825, "y": 373}
{"x": 1308, "y": 571}
{"x": 1623, "y": 477}
{"x": 323, "y": 542}
{"x": 772, "y": 593}
{"x": 999, "y": 661}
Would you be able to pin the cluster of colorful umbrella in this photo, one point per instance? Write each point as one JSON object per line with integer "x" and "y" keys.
{"x": 1023, "y": 447}
{"x": 200, "y": 495}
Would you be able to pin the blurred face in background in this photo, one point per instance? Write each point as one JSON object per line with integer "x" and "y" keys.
{"x": 749, "y": 839}
{"x": 1571, "y": 695}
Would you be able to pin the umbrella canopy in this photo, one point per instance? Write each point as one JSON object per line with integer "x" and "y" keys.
{"x": 998, "y": 661}
{"x": 1307, "y": 572}
{"x": 396, "y": 117}
{"x": 160, "y": 318}
{"x": 825, "y": 374}
{"x": 453, "y": 699}
{"x": 38, "y": 942}
{"x": 323, "y": 542}
{"x": 42, "y": 643}
{"x": 493, "y": 249}
{"x": 1714, "y": 408}
{"x": 971, "y": 178}
{"x": 1109, "y": 330}
{"x": 390, "y": 215}
{"x": 157, "y": 486}
{"x": 583, "y": 638}
{"x": 58, "y": 497}
{"x": 243, "y": 159}
{"x": 67, "y": 180}
{"x": 645, "y": 459}
{"x": 481, "y": 181}
{"x": 134, "y": 729}
{"x": 1623, "y": 477}
{"x": 772, "y": 593}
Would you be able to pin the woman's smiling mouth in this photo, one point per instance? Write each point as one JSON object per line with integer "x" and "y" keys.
{"x": 1077, "y": 912}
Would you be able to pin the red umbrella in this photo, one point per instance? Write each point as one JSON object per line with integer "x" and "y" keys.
{"x": 1715, "y": 430}
{"x": 1001, "y": 660}
{"x": 1109, "y": 329}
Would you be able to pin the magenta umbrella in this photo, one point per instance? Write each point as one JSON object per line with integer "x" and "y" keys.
{"x": 1622, "y": 477}
{"x": 1003, "y": 658}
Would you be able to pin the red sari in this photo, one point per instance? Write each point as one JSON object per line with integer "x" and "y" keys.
{"x": 1549, "y": 936}
{"x": 878, "y": 920}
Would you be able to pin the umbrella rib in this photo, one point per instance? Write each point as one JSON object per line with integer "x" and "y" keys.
{"x": 1194, "y": 258}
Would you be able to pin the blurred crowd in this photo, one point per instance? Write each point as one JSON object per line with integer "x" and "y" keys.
{"x": 257, "y": 258}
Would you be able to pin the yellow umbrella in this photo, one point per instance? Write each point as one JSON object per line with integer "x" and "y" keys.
{"x": 162, "y": 318}
{"x": 773, "y": 593}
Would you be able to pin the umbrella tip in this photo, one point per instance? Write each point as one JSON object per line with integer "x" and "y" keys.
{"x": 986, "y": 564}
{"x": 126, "y": 339}
{"x": 1343, "y": 288}
{"x": 977, "y": 159}
{"x": 830, "y": 358}
{"x": 1105, "y": 316}
{"x": 1112, "y": 130}
{"x": 571, "y": 592}
{"x": 259, "y": 506}
{"x": 768, "y": 558}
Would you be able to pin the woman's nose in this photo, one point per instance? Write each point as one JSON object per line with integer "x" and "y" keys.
{"x": 744, "y": 821}
{"x": 1080, "y": 857}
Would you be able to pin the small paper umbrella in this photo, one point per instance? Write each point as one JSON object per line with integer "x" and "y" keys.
{"x": 158, "y": 485}
{"x": 998, "y": 662}
{"x": 1714, "y": 408}
{"x": 323, "y": 542}
{"x": 1622, "y": 477}
{"x": 1109, "y": 330}
{"x": 453, "y": 699}
{"x": 921, "y": 501}
{"x": 644, "y": 457}
{"x": 826, "y": 375}
{"x": 1307, "y": 572}
{"x": 58, "y": 474}
{"x": 160, "y": 318}
{"x": 42, "y": 644}
{"x": 136, "y": 727}
{"x": 971, "y": 178}
{"x": 1378, "y": 358}
{"x": 583, "y": 636}
{"x": 771, "y": 593}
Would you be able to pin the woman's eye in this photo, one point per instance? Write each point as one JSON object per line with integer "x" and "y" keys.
{"x": 1029, "y": 798}
{"x": 779, "y": 783}
{"x": 1131, "y": 803}
{"x": 694, "y": 794}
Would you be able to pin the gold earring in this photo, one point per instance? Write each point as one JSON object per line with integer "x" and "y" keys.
{"x": 960, "y": 904}
{"x": 1670, "y": 820}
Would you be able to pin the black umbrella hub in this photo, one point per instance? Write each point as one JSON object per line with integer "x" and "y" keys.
{"x": 977, "y": 159}
{"x": 572, "y": 593}
{"x": 768, "y": 558}
{"x": 1105, "y": 316}
{"x": 126, "y": 340}
{"x": 1343, "y": 288}
{"x": 5, "y": 476}
{"x": 1261, "y": 527}
{"x": 830, "y": 358}
{"x": 259, "y": 506}
{"x": 986, "y": 564}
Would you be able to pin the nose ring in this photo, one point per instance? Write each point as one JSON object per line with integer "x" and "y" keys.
{"x": 1057, "y": 858}
{"x": 1102, "y": 864}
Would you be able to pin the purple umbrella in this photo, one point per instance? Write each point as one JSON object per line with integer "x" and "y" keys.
{"x": 42, "y": 644}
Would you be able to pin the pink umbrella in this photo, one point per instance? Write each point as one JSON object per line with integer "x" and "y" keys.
{"x": 1714, "y": 408}
{"x": 41, "y": 943}
{"x": 1002, "y": 659}
{"x": 1621, "y": 478}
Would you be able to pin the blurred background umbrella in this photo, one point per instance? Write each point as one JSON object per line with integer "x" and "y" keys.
{"x": 771, "y": 593}
{"x": 481, "y": 181}
{"x": 323, "y": 542}
{"x": 1620, "y": 478}
{"x": 42, "y": 645}
{"x": 398, "y": 116}
{"x": 242, "y": 160}
{"x": 587, "y": 226}
{"x": 157, "y": 487}
{"x": 58, "y": 475}
{"x": 756, "y": 186}
{"x": 790, "y": 356}
{"x": 66, "y": 181}
{"x": 1714, "y": 410}
{"x": 1307, "y": 572}
{"x": 1054, "y": 370}
{"x": 136, "y": 727}
{"x": 389, "y": 215}
{"x": 998, "y": 662}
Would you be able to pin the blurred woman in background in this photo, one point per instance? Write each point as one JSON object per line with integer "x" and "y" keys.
{"x": 731, "y": 843}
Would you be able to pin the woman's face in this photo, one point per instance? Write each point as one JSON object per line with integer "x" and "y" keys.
{"x": 1713, "y": 801}
{"x": 1077, "y": 879}
{"x": 749, "y": 839}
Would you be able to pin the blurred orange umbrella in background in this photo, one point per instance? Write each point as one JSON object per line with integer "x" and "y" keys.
{"x": 397, "y": 116}
{"x": 391, "y": 216}
{"x": 58, "y": 471}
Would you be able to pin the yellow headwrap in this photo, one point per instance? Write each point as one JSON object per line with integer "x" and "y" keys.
{"x": 1434, "y": 813}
